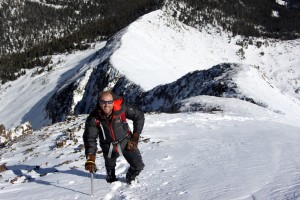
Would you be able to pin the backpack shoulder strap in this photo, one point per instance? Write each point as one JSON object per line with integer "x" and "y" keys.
{"x": 123, "y": 116}
{"x": 98, "y": 124}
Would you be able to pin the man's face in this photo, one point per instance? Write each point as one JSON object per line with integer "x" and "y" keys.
{"x": 106, "y": 103}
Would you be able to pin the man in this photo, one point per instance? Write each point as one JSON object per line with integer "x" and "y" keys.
{"x": 108, "y": 123}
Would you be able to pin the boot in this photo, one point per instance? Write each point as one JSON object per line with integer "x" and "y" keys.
{"x": 131, "y": 175}
{"x": 111, "y": 176}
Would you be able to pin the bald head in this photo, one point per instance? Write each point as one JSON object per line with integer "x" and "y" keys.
{"x": 106, "y": 93}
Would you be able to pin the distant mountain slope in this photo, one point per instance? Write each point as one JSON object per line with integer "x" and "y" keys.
{"x": 28, "y": 23}
{"x": 258, "y": 18}
{"x": 56, "y": 19}
{"x": 141, "y": 60}
{"x": 67, "y": 25}
{"x": 25, "y": 98}
{"x": 62, "y": 26}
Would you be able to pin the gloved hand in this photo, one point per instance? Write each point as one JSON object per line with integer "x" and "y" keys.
{"x": 90, "y": 164}
{"x": 132, "y": 144}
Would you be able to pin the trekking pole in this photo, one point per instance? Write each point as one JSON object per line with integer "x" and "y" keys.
{"x": 92, "y": 184}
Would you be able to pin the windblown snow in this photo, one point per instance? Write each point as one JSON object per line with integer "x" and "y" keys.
{"x": 187, "y": 155}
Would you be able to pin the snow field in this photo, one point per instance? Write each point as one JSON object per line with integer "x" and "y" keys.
{"x": 187, "y": 155}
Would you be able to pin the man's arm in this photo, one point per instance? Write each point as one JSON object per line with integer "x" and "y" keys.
{"x": 137, "y": 117}
{"x": 90, "y": 136}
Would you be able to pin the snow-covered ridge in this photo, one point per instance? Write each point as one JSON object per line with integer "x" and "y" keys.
{"x": 138, "y": 61}
{"x": 150, "y": 59}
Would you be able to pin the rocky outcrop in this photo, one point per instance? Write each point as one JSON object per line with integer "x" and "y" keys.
{"x": 16, "y": 134}
{"x": 216, "y": 81}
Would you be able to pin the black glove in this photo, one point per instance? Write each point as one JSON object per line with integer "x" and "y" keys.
{"x": 132, "y": 144}
{"x": 90, "y": 164}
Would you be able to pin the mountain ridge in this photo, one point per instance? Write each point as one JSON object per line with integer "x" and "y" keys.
{"x": 174, "y": 57}
{"x": 225, "y": 16}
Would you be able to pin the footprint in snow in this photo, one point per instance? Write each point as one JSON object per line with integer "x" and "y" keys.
{"x": 121, "y": 167}
{"x": 182, "y": 192}
{"x": 114, "y": 194}
{"x": 71, "y": 182}
{"x": 167, "y": 157}
{"x": 116, "y": 185}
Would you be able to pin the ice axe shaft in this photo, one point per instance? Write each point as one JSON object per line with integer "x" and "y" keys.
{"x": 92, "y": 184}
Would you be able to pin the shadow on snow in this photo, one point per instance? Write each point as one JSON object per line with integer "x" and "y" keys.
{"x": 18, "y": 170}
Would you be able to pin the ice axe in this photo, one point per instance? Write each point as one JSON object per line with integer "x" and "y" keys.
{"x": 92, "y": 180}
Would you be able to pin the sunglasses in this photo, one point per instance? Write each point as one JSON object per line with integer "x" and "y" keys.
{"x": 106, "y": 102}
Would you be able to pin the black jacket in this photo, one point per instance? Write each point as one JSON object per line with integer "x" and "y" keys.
{"x": 112, "y": 130}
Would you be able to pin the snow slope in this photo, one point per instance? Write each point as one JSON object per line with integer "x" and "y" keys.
{"x": 229, "y": 155}
{"x": 25, "y": 99}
